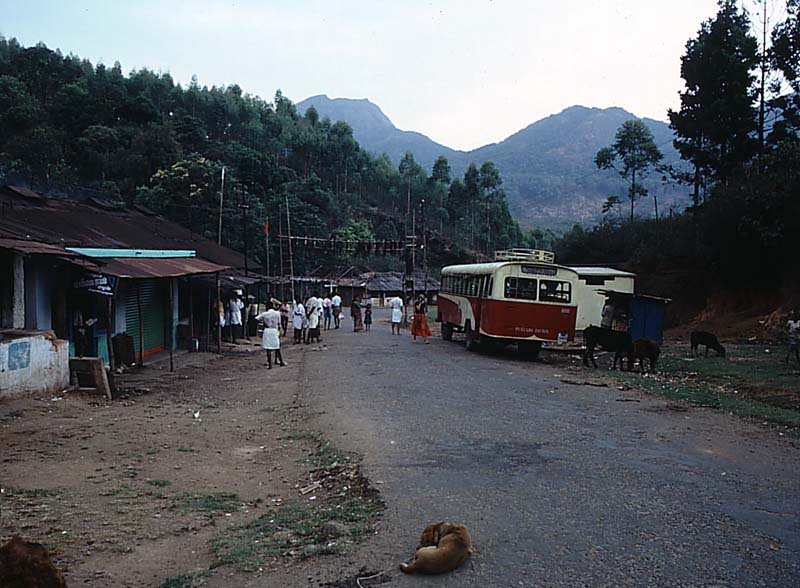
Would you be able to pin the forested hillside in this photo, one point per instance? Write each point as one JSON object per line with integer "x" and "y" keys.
{"x": 737, "y": 129}
{"x": 71, "y": 127}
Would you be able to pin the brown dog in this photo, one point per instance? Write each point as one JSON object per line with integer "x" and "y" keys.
{"x": 24, "y": 564}
{"x": 442, "y": 548}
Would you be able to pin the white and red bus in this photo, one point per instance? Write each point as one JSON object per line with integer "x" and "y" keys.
{"x": 522, "y": 298}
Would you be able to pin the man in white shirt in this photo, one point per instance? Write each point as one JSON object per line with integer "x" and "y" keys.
{"x": 298, "y": 317}
{"x": 793, "y": 327}
{"x": 336, "y": 304}
{"x": 327, "y": 312}
{"x": 396, "y": 304}
{"x": 236, "y": 306}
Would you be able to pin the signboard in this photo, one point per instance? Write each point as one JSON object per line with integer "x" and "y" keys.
{"x": 538, "y": 270}
{"x": 97, "y": 283}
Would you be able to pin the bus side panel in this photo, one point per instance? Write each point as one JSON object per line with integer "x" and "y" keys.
{"x": 522, "y": 320}
{"x": 449, "y": 310}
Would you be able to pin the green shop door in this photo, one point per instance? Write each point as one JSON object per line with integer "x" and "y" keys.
{"x": 153, "y": 302}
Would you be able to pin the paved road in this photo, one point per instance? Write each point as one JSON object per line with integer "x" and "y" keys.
{"x": 560, "y": 485}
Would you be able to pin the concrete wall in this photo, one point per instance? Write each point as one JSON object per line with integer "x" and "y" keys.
{"x": 32, "y": 362}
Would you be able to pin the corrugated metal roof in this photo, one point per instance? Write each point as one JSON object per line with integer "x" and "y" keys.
{"x": 393, "y": 281}
{"x": 27, "y": 215}
{"x": 584, "y": 270}
{"x": 35, "y": 248}
{"x": 157, "y": 267}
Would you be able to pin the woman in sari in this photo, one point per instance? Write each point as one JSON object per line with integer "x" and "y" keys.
{"x": 419, "y": 326}
{"x": 355, "y": 313}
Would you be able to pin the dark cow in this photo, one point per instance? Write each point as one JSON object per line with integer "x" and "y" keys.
{"x": 24, "y": 564}
{"x": 619, "y": 342}
{"x": 646, "y": 349}
{"x": 709, "y": 340}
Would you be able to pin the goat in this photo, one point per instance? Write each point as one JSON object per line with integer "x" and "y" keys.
{"x": 617, "y": 341}
{"x": 709, "y": 340}
{"x": 646, "y": 349}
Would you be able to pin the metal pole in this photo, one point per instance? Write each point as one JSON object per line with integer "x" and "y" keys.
{"x": 221, "y": 191}
{"x": 191, "y": 316}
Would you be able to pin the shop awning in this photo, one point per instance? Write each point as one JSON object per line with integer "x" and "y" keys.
{"x": 157, "y": 267}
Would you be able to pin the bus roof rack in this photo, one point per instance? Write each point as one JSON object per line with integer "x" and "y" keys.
{"x": 525, "y": 255}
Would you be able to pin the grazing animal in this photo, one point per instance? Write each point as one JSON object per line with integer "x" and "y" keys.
{"x": 442, "y": 548}
{"x": 619, "y": 342}
{"x": 709, "y": 340}
{"x": 24, "y": 564}
{"x": 646, "y": 349}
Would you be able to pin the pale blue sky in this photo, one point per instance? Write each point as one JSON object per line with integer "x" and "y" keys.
{"x": 464, "y": 72}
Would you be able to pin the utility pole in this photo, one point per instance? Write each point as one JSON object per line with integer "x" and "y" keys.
{"x": 244, "y": 208}
{"x": 221, "y": 190}
{"x": 291, "y": 260}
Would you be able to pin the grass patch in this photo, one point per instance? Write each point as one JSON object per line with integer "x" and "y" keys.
{"x": 216, "y": 502}
{"x": 326, "y": 456}
{"x": 159, "y": 483}
{"x": 186, "y": 449}
{"x": 266, "y": 409}
{"x": 30, "y": 492}
{"x": 183, "y": 580}
{"x": 299, "y": 530}
{"x": 749, "y": 383}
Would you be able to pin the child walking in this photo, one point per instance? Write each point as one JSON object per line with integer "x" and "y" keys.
{"x": 368, "y": 317}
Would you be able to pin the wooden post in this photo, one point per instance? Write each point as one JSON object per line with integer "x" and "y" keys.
{"x": 191, "y": 316}
{"x": 141, "y": 323}
{"x": 110, "y": 346}
{"x": 170, "y": 326}
{"x": 216, "y": 309}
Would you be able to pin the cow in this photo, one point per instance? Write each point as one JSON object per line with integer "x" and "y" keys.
{"x": 619, "y": 342}
{"x": 646, "y": 349}
{"x": 709, "y": 340}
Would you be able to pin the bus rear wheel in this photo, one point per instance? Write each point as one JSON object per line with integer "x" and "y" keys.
{"x": 529, "y": 349}
{"x": 470, "y": 338}
{"x": 447, "y": 331}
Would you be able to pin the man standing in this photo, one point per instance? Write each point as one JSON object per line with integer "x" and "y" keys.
{"x": 793, "y": 326}
{"x": 396, "y": 304}
{"x": 298, "y": 318}
{"x": 336, "y": 304}
{"x": 270, "y": 340}
{"x": 327, "y": 309}
{"x": 236, "y": 306}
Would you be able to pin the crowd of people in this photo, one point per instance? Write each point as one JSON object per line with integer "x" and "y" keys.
{"x": 312, "y": 316}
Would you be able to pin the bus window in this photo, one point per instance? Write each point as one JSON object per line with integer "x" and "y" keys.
{"x": 490, "y": 286}
{"x": 554, "y": 291}
{"x": 522, "y": 288}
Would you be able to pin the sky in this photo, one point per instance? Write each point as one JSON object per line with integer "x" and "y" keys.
{"x": 463, "y": 72}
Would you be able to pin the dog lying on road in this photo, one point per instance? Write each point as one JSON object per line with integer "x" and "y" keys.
{"x": 442, "y": 548}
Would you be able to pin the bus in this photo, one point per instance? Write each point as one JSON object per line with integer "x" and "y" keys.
{"x": 522, "y": 297}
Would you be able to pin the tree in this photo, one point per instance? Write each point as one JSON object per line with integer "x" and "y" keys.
{"x": 636, "y": 152}
{"x": 716, "y": 123}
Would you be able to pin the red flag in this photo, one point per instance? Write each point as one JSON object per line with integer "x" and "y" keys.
{"x": 266, "y": 227}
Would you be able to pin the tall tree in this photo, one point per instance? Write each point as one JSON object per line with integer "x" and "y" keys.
{"x": 717, "y": 122}
{"x": 632, "y": 156}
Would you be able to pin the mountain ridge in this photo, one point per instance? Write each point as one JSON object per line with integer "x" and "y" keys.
{"x": 547, "y": 167}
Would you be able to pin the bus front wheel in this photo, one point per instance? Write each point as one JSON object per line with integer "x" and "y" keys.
{"x": 470, "y": 338}
{"x": 447, "y": 331}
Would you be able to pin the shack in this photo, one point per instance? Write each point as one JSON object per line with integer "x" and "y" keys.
{"x": 88, "y": 271}
{"x": 383, "y": 286}
{"x": 589, "y": 291}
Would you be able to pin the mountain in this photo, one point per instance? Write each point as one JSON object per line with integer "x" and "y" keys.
{"x": 375, "y": 132}
{"x": 548, "y": 169}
